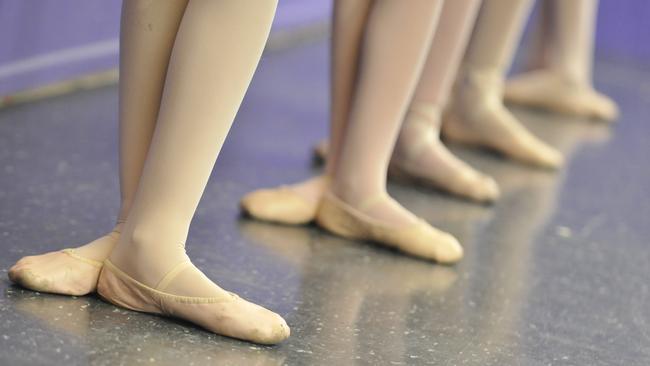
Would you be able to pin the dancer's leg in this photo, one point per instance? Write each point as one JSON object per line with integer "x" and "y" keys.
{"x": 215, "y": 54}
{"x": 386, "y": 82}
{"x": 297, "y": 203}
{"x": 565, "y": 83}
{"x": 394, "y": 49}
{"x": 477, "y": 114}
{"x": 536, "y": 47}
{"x": 147, "y": 33}
{"x": 419, "y": 153}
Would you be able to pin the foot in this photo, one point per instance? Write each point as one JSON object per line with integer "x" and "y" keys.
{"x": 384, "y": 208}
{"x": 157, "y": 277}
{"x": 492, "y": 126}
{"x": 65, "y": 272}
{"x": 420, "y": 155}
{"x": 381, "y": 220}
{"x": 550, "y": 91}
{"x": 294, "y": 204}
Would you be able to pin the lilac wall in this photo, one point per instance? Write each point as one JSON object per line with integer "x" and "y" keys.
{"x": 623, "y": 32}
{"x": 44, "y": 41}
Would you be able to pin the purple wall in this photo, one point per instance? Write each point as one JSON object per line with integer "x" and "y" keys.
{"x": 46, "y": 41}
{"x": 623, "y": 32}
{"x": 33, "y": 28}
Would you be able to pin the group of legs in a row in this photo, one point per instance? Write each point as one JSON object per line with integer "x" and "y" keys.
{"x": 402, "y": 72}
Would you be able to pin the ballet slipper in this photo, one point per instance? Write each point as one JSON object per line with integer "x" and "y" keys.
{"x": 477, "y": 117}
{"x": 287, "y": 204}
{"x": 72, "y": 271}
{"x": 62, "y": 272}
{"x": 421, "y": 158}
{"x": 419, "y": 239}
{"x": 226, "y": 314}
{"x": 520, "y": 144}
{"x": 549, "y": 91}
{"x": 279, "y": 205}
{"x": 487, "y": 191}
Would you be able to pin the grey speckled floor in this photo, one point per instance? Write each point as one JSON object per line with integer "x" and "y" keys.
{"x": 556, "y": 273}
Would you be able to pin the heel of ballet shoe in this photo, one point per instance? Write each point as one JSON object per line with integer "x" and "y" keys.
{"x": 333, "y": 216}
{"x": 120, "y": 289}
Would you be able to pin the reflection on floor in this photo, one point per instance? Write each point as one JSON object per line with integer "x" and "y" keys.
{"x": 556, "y": 273}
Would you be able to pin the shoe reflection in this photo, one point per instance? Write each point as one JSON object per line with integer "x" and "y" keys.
{"x": 489, "y": 304}
{"x": 351, "y": 295}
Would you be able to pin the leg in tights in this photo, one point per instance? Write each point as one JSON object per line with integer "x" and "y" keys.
{"x": 563, "y": 83}
{"x": 216, "y": 51}
{"x": 419, "y": 153}
{"x": 297, "y": 203}
{"x": 386, "y": 82}
{"x": 147, "y": 34}
{"x": 477, "y": 115}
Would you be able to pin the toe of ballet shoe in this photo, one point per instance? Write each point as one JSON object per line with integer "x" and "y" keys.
{"x": 481, "y": 189}
{"x": 28, "y": 279}
{"x": 607, "y": 109}
{"x": 539, "y": 154}
{"x": 449, "y": 250}
{"x": 268, "y": 327}
{"x": 489, "y": 192}
{"x": 425, "y": 241}
{"x": 551, "y": 159}
{"x": 274, "y": 333}
{"x": 422, "y": 241}
{"x": 73, "y": 279}
{"x": 14, "y": 273}
{"x": 249, "y": 322}
{"x": 280, "y": 205}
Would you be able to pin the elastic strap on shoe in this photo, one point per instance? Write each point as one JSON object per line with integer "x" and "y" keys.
{"x": 167, "y": 279}
{"x": 76, "y": 256}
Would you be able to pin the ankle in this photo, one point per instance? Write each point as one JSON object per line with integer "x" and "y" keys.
{"x": 147, "y": 239}
{"x": 479, "y": 87}
{"x": 420, "y": 130}
{"x": 354, "y": 194}
{"x": 118, "y": 228}
{"x": 312, "y": 189}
